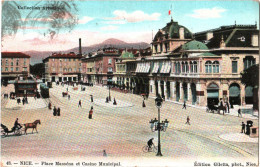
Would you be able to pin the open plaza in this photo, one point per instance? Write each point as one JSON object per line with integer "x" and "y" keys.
{"x": 122, "y": 130}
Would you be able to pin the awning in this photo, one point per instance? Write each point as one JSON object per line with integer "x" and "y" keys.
{"x": 137, "y": 68}
{"x": 155, "y": 67}
{"x": 166, "y": 68}
{"x": 249, "y": 91}
{"x": 234, "y": 91}
{"x": 212, "y": 93}
{"x": 143, "y": 68}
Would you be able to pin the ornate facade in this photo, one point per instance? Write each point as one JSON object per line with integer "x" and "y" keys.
{"x": 198, "y": 68}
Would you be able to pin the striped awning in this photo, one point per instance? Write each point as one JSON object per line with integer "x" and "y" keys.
{"x": 155, "y": 67}
{"x": 143, "y": 67}
{"x": 166, "y": 68}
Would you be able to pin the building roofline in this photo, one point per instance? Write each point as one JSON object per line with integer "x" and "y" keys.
{"x": 14, "y": 55}
{"x": 250, "y": 26}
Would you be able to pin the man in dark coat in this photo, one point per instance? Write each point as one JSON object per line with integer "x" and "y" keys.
{"x": 58, "y": 111}
{"x": 243, "y": 127}
{"x": 54, "y": 111}
{"x": 184, "y": 105}
{"x": 91, "y": 97}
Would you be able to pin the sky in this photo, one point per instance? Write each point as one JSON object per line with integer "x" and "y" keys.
{"x": 95, "y": 21}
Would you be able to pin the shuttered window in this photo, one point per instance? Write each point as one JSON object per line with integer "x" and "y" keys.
{"x": 234, "y": 66}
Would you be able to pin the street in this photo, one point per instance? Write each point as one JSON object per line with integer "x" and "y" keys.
{"x": 121, "y": 130}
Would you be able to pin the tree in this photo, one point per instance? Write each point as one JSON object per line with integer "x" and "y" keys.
{"x": 37, "y": 69}
{"x": 250, "y": 77}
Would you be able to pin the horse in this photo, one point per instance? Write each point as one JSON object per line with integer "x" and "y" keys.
{"x": 31, "y": 125}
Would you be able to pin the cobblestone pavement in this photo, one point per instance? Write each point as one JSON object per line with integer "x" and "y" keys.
{"x": 121, "y": 131}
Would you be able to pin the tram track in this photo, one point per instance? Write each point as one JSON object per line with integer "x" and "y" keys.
{"x": 219, "y": 141}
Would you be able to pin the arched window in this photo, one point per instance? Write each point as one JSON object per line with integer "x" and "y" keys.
{"x": 195, "y": 67}
{"x": 65, "y": 69}
{"x": 215, "y": 67}
{"x": 186, "y": 67}
{"x": 6, "y": 62}
{"x": 183, "y": 67}
{"x": 191, "y": 67}
{"x": 208, "y": 67}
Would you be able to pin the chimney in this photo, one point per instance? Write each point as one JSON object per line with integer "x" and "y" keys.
{"x": 80, "y": 46}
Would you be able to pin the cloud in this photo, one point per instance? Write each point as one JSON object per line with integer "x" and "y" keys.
{"x": 110, "y": 27}
{"x": 207, "y": 13}
{"x": 136, "y": 16}
{"x": 85, "y": 20}
{"x": 115, "y": 22}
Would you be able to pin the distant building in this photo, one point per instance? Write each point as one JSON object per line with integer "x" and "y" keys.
{"x": 99, "y": 67}
{"x": 125, "y": 69}
{"x": 14, "y": 64}
{"x": 62, "y": 67}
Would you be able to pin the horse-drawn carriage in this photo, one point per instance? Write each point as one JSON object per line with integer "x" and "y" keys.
{"x": 17, "y": 131}
{"x": 213, "y": 108}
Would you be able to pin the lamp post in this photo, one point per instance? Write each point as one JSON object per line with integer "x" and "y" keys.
{"x": 109, "y": 97}
{"x": 156, "y": 125}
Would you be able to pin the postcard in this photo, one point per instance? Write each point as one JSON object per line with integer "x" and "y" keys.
{"x": 129, "y": 83}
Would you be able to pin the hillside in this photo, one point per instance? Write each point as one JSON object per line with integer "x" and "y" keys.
{"x": 36, "y": 57}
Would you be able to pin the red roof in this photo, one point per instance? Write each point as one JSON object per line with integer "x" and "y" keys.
{"x": 60, "y": 55}
{"x": 69, "y": 55}
{"x": 14, "y": 55}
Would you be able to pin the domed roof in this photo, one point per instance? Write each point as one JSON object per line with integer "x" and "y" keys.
{"x": 194, "y": 45}
{"x": 126, "y": 55}
{"x": 172, "y": 31}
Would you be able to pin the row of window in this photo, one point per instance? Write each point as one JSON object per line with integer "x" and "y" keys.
{"x": 65, "y": 70}
{"x": 12, "y": 69}
{"x": 12, "y": 63}
{"x": 60, "y": 64}
{"x": 64, "y": 60}
{"x": 166, "y": 46}
{"x": 186, "y": 67}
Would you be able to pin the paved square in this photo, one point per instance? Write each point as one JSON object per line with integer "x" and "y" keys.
{"x": 121, "y": 131}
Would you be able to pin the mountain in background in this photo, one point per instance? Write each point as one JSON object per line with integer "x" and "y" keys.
{"x": 36, "y": 57}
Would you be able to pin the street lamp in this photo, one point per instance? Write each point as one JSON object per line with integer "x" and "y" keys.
{"x": 109, "y": 97}
{"x": 156, "y": 125}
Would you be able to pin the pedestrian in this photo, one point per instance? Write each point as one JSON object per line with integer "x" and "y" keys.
{"x": 239, "y": 112}
{"x": 90, "y": 113}
{"x": 106, "y": 99}
{"x": 104, "y": 153}
{"x": 114, "y": 102}
{"x": 91, "y": 96}
{"x": 23, "y": 101}
{"x": 58, "y": 111}
{"x": 54, "y": 111}
{"x": 144, "y": 104}
{"x": 50, "y": 105}
{"x": 35, "y": 96}
{"x": 227, "y": 106}
{"x": 69, "y": 97}
{"x": 18, "y": 101}
{"x": 26, "y": 100}
{"x": 79, "y": 103}
{"x": 67, "y": 89}
{"x": 188, "y": 120}
{"x": 184, "y": 105}
{"x": 243, "y": 127}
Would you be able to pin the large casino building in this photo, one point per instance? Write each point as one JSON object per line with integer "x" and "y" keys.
{"x": 197, "y": 68}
